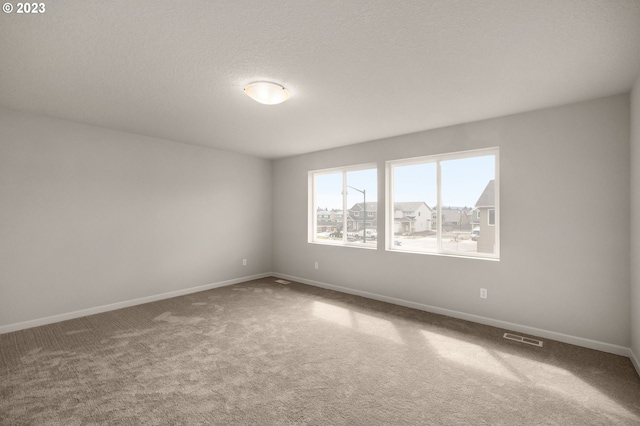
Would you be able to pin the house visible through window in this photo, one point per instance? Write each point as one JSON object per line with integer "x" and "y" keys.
{"x": 458, "y": 193}
{"x": 336, "y": 199}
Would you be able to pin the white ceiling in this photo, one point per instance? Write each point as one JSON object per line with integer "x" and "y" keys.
{"x": 357, "y": 69}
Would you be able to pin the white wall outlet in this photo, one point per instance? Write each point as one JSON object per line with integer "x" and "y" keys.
{"x": 244, "y": 262}
{"x": 317, "y": 265}
{"x": 483, "y": 293}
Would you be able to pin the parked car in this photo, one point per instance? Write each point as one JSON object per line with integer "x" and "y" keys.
{"x": 372, "y": 234}
{"x": 475, "y": 234}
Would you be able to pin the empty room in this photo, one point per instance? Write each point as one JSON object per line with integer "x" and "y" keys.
{"x": 320, "y": 212}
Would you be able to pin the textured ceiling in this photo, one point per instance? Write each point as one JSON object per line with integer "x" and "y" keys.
{"x": 357, "y": 70}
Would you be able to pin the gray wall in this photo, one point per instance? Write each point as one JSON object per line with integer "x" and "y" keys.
{"x": 92, "y": 217}
{"x": 564, "y": 224}
{"x": 635, "y": 222}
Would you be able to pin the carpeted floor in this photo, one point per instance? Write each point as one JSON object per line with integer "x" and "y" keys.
{"x": 265, "y": 353}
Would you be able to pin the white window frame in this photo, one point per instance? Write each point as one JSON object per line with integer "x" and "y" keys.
{"x": 313, "y": 207}
{"x": 489, "y": 217}
{"x": 437, "y": 159}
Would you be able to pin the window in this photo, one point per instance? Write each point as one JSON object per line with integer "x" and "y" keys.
{"x": 344, "y": 193}
{"x": 459, "y": 196}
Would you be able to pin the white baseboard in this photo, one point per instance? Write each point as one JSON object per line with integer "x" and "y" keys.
{"x": 565, "y": 338}
{"x": 634, "y": 361}
{"x": 578, "y": 341}
{"x": 125, "y": 304}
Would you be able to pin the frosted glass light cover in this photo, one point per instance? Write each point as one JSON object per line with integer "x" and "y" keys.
{"x": 267, "y": 93}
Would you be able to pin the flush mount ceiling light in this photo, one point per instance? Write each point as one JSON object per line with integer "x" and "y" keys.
{"x": 266, "y": 92}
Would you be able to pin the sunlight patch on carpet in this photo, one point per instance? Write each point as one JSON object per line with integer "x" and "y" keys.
{"x": 563, "y": 382}
{"x": 468, "y": 354}
{"x": 541, "y": 375}
{"x": 360, "y": 322}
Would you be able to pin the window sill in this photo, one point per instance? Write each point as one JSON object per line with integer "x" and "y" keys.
{"x": 446, "y": 254}
{"x": 338, "y": 244}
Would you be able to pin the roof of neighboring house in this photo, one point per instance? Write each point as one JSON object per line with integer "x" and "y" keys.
{"x": 409, "y": 206}
{"x": 371, "y": 206}
{"x": 488, "y": 197}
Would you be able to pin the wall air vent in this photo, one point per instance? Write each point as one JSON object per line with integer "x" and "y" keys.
{"x": 521, "y": 339}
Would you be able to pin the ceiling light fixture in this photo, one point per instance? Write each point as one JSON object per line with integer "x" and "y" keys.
{"x": 266, "y": 92}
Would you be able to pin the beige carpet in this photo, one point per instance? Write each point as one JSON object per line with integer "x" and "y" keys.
{"x": 264, "y": 353}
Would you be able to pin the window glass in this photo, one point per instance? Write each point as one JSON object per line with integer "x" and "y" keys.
{"x": 362, "y": 186}
{"x": 344, "y": 203}
{"x": 463, "y": 183}
{"x": 445, "y": 204}
{"x": 414, "y": 193}
{"x": 329, "y": 213}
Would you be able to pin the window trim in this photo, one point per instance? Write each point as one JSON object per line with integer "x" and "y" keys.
{"x": 437, "y": 159}
{"x": 313, "y": 206}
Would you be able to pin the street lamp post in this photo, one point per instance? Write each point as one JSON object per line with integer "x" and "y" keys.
{"x": 364, "y": 212}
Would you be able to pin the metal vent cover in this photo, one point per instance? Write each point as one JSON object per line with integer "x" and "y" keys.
{"x": 283, "y": 282}
{"x": 522, "y": 339}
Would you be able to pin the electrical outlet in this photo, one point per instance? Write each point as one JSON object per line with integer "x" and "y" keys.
{"x": 483, "y": 293}
{"x": 317, "y": 266}
{"x": 244, "y": 262}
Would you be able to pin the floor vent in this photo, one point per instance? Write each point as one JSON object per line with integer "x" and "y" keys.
{"x": 283, "y": 282}
{"x": 527, "y": 340}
